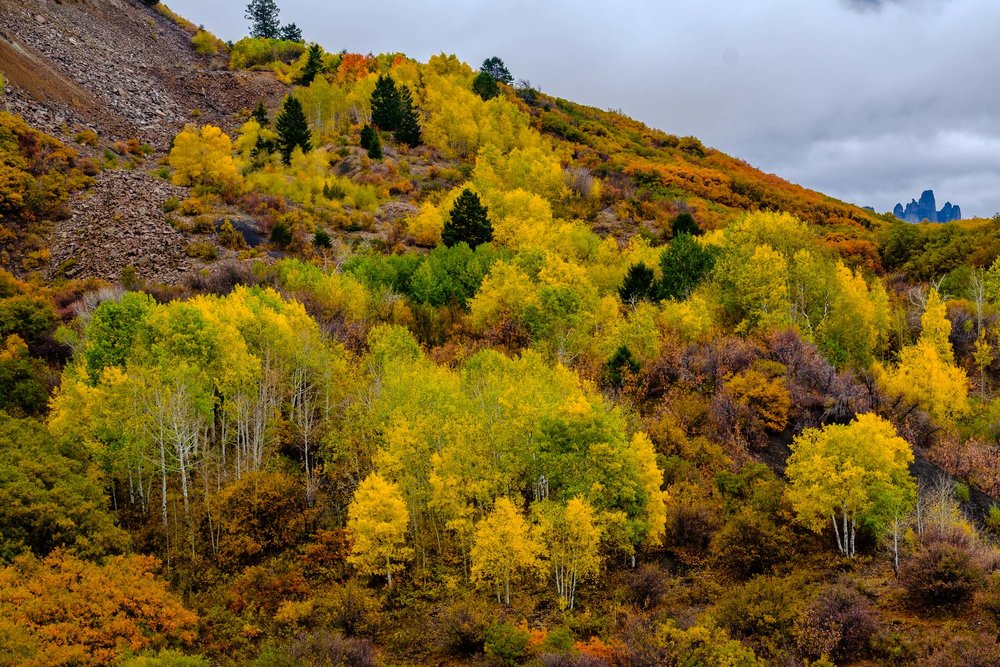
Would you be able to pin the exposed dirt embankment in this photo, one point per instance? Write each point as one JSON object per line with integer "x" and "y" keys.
{"x": 117, "y": 67}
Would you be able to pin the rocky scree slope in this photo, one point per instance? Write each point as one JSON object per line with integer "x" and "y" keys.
{"x": 125, "y": 71}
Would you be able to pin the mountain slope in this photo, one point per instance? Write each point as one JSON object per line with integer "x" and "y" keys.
{"x": 117, "y": 67}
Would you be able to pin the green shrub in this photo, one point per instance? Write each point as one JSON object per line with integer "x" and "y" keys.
{"x": 506, "y": 644}
{"x": 321, "y": 239}
{"x": 962, "y": 492}
{"x": 281, "y": 235}
{"x": 205, "y": 43}
{"x": 763, "y": 612}
{"x": 86, "y": 138}
{"x": 257, "y": 51}
{"x": 202, "y": 250}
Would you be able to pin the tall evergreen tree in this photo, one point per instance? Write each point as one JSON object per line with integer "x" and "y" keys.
{"x": 263, "y": 17}
{"x": 639, "y": 284}
{"x": 385, "y": 104}
{"x": 262, "y": 146}
{"x": 291, "y": 33}
{"x": 495, "y": 68}
{"x": 313, "y": 66}
{"x": 408, "y": 126}
{"x": 485, "y": 86}
{"x": 259, "y": 114}
{"x": 293, "y": 129}
{"x": 468, "y": 223}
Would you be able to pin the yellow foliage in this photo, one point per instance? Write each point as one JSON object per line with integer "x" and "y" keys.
{"x": 425, "y": 227}
{"x": 505, "y": 548}
{"x": 292, "y": 612}
{"x": 534, "y": 168}
{"x": 250, "y": 133}
{"x": 651, "y": 479}
{"x": 206, "y": 43}
{"x": 377, "y": 521}
{"x": 638, "y": 331}
{"x": 331, "y": 107}
{"x": 306, "y": 181}
{"x": 858, "y": 471}
{"x": 520, "y": 219}
{"x": 203, "y": 157}
{"x": 780, "y": 231}
{"x": 935, "y": 327}
{"x": 923, "y": 376}
{"x": 764, "y": 395}
{"x": 505, "y": 293}
{"x": 458, "y": 122}
{"x": 333, "y": 292}
{"x": 690, "y": 321}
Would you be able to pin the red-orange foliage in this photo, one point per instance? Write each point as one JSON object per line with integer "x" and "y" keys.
{"x": 353, "y": 66}
{"x": 67, "y": 611}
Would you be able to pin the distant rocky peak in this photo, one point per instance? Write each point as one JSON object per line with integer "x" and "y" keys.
{"x": 926, "y": 209}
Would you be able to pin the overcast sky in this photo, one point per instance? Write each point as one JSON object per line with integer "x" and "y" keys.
{"x": 870, "y": 101}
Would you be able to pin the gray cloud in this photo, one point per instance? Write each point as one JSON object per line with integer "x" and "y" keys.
{"x": 876, "y": 5}
{"x": 871, "y": 107}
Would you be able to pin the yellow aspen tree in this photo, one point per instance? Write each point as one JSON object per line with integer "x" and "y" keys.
{"x": 376, "y": 524}
{"x": 927, "y": 373}
{"x": 651, "y": 478}
{"x": 505, "y": 548}
{"x": 846, "y": 474}
{"x": 935, "y": 327}
{"x": 572, "y": 540}
{"x": 203, "y": 157}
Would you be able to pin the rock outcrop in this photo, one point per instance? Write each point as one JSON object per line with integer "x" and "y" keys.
{"x": 926, "y": 209}
{"x": 117, "y": 67}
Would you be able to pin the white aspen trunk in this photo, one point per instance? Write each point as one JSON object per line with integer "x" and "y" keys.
{"x": 847, "y": 544}
{"x": 836, "y": 531}
{"x": 895, "y": 546}
{"x": 131, "y": 487}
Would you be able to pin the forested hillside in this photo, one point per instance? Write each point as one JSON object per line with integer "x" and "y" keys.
{"x": 384, "y": 362}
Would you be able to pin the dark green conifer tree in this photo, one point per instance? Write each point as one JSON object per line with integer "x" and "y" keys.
{"x": 684, "y": 223}
{"x": 385, "y": 104}
{"x": 495, "y": 68}
{"x": 375, "y": 147}
{"x": 368, "y": 135}
{"x": 485, "y": 86}
{"x": 259, "y": 114}
{"x": 263, "y": 17}
{"x": 313, "y": 66}
{"x": 293, "y": 129}
{"x": 408, "y": 127}
{"x": 469, "y": 222}
{"x": 262, "y": 147}
{"x": 639, "y": 284}
{"x": 291, "y": 33}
